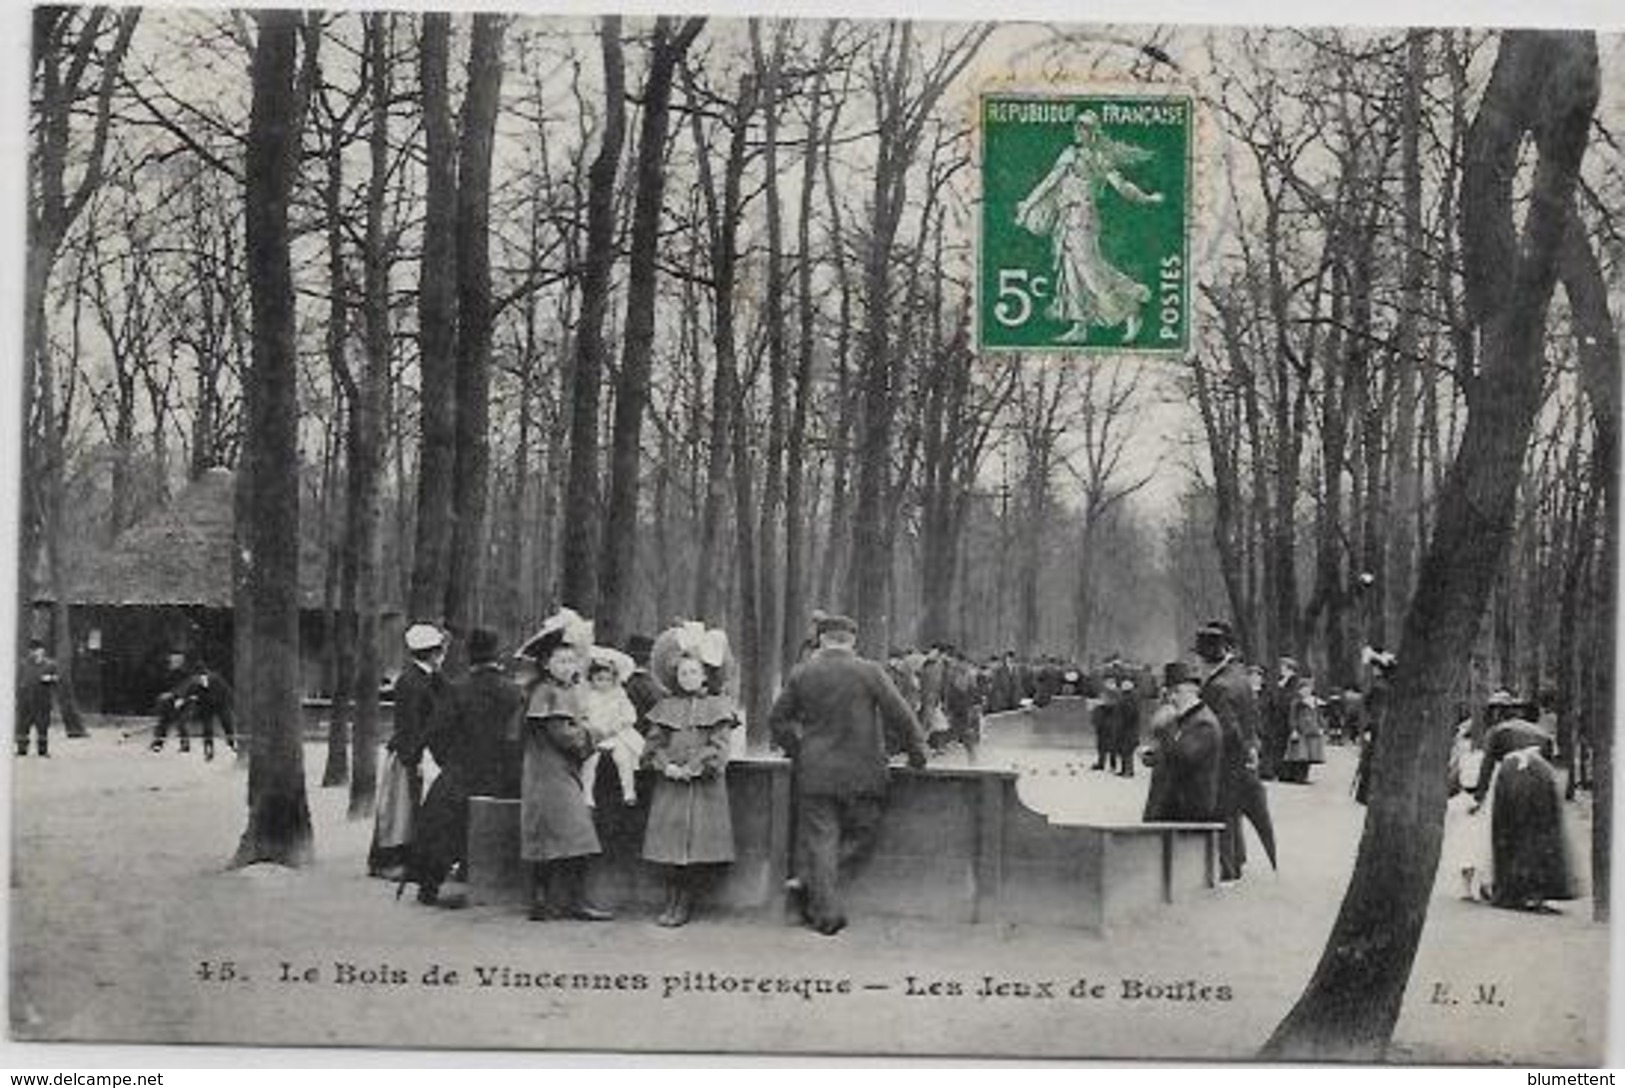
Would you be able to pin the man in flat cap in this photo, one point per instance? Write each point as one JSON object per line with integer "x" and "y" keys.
{"x": 418, "y": 691}
{"x": 832, "y": 720}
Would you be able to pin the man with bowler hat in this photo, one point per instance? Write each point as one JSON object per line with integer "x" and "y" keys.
{"x": 1229, "y": 694}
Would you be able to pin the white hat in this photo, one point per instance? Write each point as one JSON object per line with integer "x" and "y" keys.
{"x": 424, "y": 636}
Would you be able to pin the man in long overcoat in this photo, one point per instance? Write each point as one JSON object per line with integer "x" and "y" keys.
{"x": 1229, "y": 694}
{"x": 832, "y": 720}
{"x": 1186, "y": 752}
{"x": 1279, "y": 698}
{"x": 473, "y": 741}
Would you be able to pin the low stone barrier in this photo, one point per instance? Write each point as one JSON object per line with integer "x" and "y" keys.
{"x": 956, "y": 845}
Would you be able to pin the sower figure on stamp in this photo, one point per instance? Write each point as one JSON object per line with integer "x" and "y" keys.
{"x": 37, "y": 681}
{"x": 831, "y": 719}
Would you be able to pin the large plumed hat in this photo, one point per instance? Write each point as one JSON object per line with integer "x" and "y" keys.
{"x": 565, "y": 627}
{"x": 424, "y": 636}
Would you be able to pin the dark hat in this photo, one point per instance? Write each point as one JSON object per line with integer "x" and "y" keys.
{"x": 1214, "y": 638}
{"x": 638, "y": 647}
{"x": 36, "y": 643}
{"x": 1177, "y": 672}
{"x": 540, "y": 646}
{"x": 837, "y": 625}
{"x": 483, "y": 646}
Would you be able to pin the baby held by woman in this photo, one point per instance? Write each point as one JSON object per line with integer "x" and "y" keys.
{"x": 612, "y": 721}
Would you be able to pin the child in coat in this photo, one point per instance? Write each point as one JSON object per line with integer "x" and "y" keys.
{"x": 690, "y": 826}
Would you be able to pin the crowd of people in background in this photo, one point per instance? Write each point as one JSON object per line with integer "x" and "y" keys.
{"x": 661, "y": 715}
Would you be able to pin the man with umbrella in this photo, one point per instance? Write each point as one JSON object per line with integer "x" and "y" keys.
{"x": 1229, "y": 694}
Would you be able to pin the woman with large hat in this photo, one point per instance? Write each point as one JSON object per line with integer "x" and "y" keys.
{"x": 557, "y": 837}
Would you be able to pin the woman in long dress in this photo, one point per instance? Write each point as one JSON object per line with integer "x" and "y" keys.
{"x": 1529, "y": 859}
{"x": 1065, "y": 206}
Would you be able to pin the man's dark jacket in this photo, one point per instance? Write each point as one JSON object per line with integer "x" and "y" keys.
{"x": 471, "y": 734}
{"x": 417, "y": 699}
{"x": 832, "y": 719}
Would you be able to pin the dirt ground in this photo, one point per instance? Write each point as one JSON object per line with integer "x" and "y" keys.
{"x": 123, "y": 922}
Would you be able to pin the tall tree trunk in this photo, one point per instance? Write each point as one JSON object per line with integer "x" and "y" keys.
{"x": 437, "y": 332}
{"x": 340, "y": 580}
{"x": 1407, "y": 482}
{"x": 278, "y": 815}
{"x": 796, "y": 517}
{"x": 768, "y": 618}
{"x": 1599, "y": 352}
{"x": 637, "y": 356}
{"x": 578, "y": 586}
{"x": 473, "y": 359}
{"x": 367, "y": 425}
{"x": 1544, "y": 85}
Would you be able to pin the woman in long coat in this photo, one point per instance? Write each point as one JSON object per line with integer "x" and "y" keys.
{"x": 690, "y": 827}
{"x": 556, "y": 834}
{"x": 1305, "y": 738}
{"x": 1529, "y": 859}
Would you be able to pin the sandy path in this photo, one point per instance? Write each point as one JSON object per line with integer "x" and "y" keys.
{"x": 118, "y": 897}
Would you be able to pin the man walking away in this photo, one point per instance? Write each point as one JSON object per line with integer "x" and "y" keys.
{"x": 831, "y": 719}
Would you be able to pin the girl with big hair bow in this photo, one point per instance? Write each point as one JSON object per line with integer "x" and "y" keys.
{"x": 690, "y": 829}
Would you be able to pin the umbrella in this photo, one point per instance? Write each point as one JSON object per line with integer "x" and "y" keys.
{"x": 1255, "y": 805}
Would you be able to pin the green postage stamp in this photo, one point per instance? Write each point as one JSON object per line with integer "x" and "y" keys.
{"x": 1085, "y": 214}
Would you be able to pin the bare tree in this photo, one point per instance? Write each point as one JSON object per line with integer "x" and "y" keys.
{"x": 278, "y": 814}
{"x": 1545, "y": 86}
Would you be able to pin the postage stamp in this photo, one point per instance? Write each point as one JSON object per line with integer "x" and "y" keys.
{"x": 1085, "y": 222}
